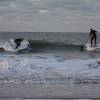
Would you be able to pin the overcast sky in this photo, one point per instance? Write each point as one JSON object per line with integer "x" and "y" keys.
{"x": 49, "y": 15}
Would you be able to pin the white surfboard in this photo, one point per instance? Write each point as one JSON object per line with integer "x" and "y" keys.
{"x": 89, "y": 48}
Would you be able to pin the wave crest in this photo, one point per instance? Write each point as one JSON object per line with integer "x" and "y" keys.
{"x": 36, "y": 45}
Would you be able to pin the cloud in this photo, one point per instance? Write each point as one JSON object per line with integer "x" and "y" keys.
{"x": 32, "y": 7}
{"x": 43, "y": 11}
{"x": 61, "y": 14}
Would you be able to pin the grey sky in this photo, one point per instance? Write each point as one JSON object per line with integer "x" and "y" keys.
{"x": 49, "y": 15}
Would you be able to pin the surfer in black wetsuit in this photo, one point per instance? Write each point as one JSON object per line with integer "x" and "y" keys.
{"x": 18, "y": 42}
{"x": 93, "y": 36}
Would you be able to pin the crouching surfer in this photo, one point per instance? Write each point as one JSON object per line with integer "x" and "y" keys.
{"x": 18, "y": 42}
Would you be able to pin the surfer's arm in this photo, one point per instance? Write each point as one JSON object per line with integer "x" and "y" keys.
{"x": 90, "y": 34}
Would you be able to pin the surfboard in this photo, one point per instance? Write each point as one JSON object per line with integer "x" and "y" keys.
{"x": 95, "y": 48}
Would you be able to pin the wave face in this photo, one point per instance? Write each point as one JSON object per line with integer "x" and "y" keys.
{"x": 36, "y": 45}
{"x": 36, "y": 41}
{"x": 45, "y": 44}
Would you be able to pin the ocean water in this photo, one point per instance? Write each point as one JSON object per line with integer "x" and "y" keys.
{"x": 72, "y": 38}
{"x": 75, "y": 39}
{"x": 44, "y": 68}
{"x": 52, "y": 65}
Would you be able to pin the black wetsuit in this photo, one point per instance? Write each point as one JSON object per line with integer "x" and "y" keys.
{"x": 18, "y": 42}
{"x": 93, "y": 37}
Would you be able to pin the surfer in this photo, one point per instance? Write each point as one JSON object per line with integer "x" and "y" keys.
{"x": 93, "y": 36}
{"x": 18, "y": 42}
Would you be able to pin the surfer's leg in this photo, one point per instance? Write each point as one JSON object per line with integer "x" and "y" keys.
{"x": 16, "y": 42}
{"x": 95, "y": 39}
{"x": 19, "y": 43}
{"x": 91, "y": 41}
{"x": 16, "y": 46}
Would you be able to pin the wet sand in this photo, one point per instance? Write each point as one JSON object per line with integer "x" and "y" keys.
{"x": 50, "y": 91}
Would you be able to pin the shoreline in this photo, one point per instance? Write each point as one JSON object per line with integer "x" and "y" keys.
{"x": 50, "y": 91}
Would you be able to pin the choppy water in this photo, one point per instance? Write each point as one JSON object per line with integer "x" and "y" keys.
{"x": 48, "y": 68}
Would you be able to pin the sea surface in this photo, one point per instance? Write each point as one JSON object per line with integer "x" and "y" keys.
{"x": 45, "y": 59}
{"x": 67, "y": 65}
{"x": 64, "y": 37}
{"x": 75, "y": 39}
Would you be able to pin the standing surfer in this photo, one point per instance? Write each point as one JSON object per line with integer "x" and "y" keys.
{"x": 93, "y": 36}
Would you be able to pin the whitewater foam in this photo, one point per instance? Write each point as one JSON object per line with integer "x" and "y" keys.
{"x": 35, "y": 69}
{"x": 11, "y": 46}
{"x": 89, "y": 48}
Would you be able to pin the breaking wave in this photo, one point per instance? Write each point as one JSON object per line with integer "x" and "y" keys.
{"x": 36, "y": 45}
{"x": 10, "y": 45}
